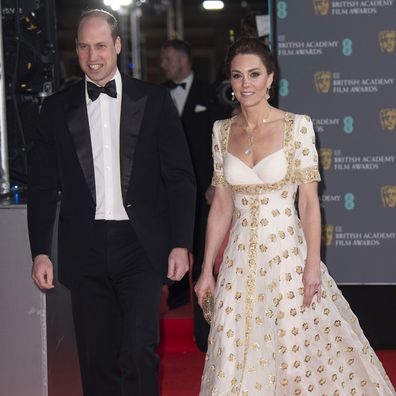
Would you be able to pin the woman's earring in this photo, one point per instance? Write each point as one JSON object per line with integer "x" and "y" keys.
{"x": 233, "y": 96}
{"x": 267, "y": 93}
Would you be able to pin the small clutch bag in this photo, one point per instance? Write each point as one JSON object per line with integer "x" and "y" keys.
{"x": 208, "y": 306}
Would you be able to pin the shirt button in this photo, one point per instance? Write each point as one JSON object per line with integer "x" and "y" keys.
{"x": 106, "y": 146}
{"x": 105, "y": 125}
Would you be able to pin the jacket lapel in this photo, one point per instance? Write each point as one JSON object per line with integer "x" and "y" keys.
{"x": 188, "y": 109}
{"x": 132, "y": 111}
{"x": 77, "y": 120}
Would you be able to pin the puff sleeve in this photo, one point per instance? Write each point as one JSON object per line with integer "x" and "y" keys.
{"x": 306, "y": 157}
{"x": 218, "y": 179}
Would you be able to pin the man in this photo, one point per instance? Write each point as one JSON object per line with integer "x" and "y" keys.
{"x": 197, "y": 107}
{"x": 115, "y": 149}
{"x": 195, "y": 102}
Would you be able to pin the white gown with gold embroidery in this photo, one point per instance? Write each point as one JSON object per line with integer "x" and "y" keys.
{"x": 262, "y": 341}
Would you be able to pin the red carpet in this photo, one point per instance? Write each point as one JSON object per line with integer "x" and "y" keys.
{"x": 388, "y": 359}
{"x": 182, "y": 362}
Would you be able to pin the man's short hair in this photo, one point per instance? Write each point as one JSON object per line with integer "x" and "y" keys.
{"x": 99, "y": 13}
{"x": 179, "y": 45}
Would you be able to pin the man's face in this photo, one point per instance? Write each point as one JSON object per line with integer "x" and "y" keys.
{"x": 172, "y": 63}
{"x": 96, "y": 50}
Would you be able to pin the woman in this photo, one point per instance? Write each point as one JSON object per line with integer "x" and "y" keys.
{"x": 280, "y": 325}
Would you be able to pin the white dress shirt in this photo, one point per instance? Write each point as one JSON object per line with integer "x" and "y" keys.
{"x": 104, "y": 125}
{"x": 179, "y": 94}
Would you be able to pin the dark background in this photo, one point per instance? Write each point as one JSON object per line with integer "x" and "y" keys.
{"x": 40, "y": 58}
{"x": 208, "y": 32}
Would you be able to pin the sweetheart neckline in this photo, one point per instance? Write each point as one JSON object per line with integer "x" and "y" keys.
{"x": 285, "y": 116}
{"x": 257, "y": 163}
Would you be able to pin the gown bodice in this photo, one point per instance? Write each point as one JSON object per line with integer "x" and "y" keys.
{"x": 295, "y": 163}
{"x": 270, "y": 169}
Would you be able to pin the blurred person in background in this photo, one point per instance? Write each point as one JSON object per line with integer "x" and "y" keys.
{"x": 198, "y": 108}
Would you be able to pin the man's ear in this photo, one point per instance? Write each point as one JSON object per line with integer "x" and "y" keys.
{"x": 117, "y": 45}
{"x": 184, "y": 60}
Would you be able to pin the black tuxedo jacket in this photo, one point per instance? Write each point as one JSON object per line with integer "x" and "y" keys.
{"x": 157, "y": 179}
{"x": 199, "y": 113}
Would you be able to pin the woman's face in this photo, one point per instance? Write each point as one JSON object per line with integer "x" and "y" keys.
{"x": 249, "y": 79}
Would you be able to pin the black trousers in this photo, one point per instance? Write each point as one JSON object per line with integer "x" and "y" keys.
{"x": 115, "y": 312}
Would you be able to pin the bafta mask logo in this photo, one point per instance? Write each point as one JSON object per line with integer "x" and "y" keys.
{"x": 322, "y": 81}
{"x": 321, "y": 7}
{"x": 327, "y": 234}
{"x": 388, "y": 195}
{"x": 325, "y": 157}
{"x": 388, "y": 119}
{"x": 387, "y": 39}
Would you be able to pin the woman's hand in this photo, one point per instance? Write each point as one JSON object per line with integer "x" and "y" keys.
{"x": 206, "y": 283}
{"x": 312, "y": 281}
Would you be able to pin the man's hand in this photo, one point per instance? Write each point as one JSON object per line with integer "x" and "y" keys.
{"x": 177, "y": 263}
{"x": 43, "y": 272}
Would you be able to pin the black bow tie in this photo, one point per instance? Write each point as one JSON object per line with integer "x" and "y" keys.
{"x": 173, "y": 85}
{"x": 94, "y": 90}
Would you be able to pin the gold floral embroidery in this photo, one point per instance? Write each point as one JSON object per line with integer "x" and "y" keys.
{"x": 307, "y": 175}
{"x": 303, "y": 176}
{"x": 219, "y": 180}
{"x": 251, "y": 277}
